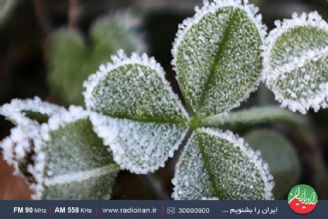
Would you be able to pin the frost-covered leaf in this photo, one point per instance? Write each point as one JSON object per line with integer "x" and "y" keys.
{"x": 281, "y": 157}
{"x": 29, "y": 111}
{"x": 220, "y": 164}
{"x": 71, "y": 61}
{"x": 78, "y": 165}
{"x": 139, "y": 106}
{"x": 134, "y": 88}
{"x": 254, "y": 116}
{"x": 218, "y": 57}
{"x": 137, "y": 146}
{"x": 295, "y": 60}
{"x": 63, "y": 159}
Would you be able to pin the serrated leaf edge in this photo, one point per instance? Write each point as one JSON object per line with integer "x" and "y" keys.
{"x": 254, "y": 157}
{"x": 108, "y": 134}
{"x": 183, "y": 28}
{"x": 121, "y": 59}
{"x": 13, "y": 110}
{"x": 269, "y": 75}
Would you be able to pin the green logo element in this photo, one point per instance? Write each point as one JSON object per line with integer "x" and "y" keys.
{"x": 302, "y": 199}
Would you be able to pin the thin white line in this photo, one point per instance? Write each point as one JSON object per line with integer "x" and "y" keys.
{"x": 80, "y": 175}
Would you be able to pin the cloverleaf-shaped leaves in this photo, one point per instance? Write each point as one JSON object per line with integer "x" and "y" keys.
{"x": 59, "y": 155}
{"x": 217, "y": 55}
{"x": 295, "y": 62}
{"x": 71, "y": 61}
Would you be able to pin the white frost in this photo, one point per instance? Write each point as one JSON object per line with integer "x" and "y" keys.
{"x": 217, "y": 55}
{"x": 13, "y": 110}
{"x": 137, "y": 146}
{"x": 121, "y": 59}
{"x": 192, "y": 180}
{"x": 251, "y": 10}
{"x": 80, "y": 175}
{"x": 314, "y": 95}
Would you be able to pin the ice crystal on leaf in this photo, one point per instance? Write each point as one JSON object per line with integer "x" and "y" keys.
{"x": 29, "y": 111}
{"x": 220, "y": 164}
{"x": 78, "y": 165}
{"x": 62, "y": 158}
{"x": 137, "y": 146}
{"x": 138, "y": 105}
{"x": 217, "y": 55}
{"x": 295, "y": 62}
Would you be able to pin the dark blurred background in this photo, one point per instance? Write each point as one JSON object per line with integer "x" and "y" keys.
{"x": 24, "y": 29}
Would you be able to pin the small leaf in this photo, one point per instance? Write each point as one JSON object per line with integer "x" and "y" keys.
{"x": 282, "y": 158}
{"x": 67, "y": 54}
{"x": 63, "y": 159}
{"x": 29, "y": 111}
{"x": 217, "y": 56}
{"x": 116, "y": 31}
{"x": 295, "y": 62}
{"x": 71, "y": 61}
{"x": 78, "y": 165}
{"x": 141, "y": 109}
{"x": 254, "y": 116}
{"x": 221, "y": 165}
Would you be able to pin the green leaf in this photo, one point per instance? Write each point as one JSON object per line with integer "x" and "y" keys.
{"x": 282, "y": 158}
{"x": 254, "y": 116}
{"x": 220, "y": 164}
{"x": 218, "y": 57}
{"x": 143, "y": 120}
{"x": 27, "y": 115}
{"x": 139, "y": 147}
{"x": 78, "y": 165}
{"x": 295, "y": 62}
{"x": 64, "y": 159}
{"x": 71, "y": 61}
{"x": 134, "y": 88}
{"x": 28, "y": 112}
{"x": 67, "y": 53}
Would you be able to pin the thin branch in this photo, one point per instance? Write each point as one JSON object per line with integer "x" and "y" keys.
{"x": 42, "y": 15}
{"x": 73, "y": 14}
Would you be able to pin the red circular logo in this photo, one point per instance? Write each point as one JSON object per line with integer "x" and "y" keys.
{"x": 302, "y": 199}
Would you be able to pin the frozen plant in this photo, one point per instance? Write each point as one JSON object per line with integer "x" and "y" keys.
{"x": 219, "y": 55}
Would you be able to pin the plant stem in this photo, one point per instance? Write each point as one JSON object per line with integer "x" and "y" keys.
{"x": 254, "y": 116}
{"x": 42, "y": 16}
{"x": 73, "y": 14}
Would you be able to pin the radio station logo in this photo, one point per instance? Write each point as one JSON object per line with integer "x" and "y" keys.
{"x": 302, "y": 199}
